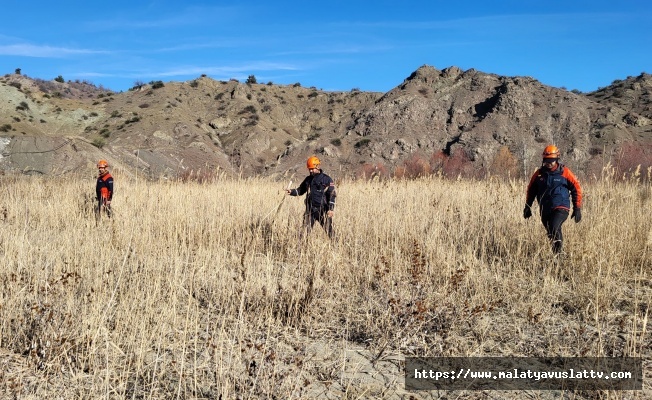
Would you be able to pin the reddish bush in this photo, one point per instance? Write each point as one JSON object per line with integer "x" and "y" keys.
{"x": 416, "y": 166}
{"x": 437, "y": 161}
{"x": 632, "y": 157}
{"x": 504, "y": 164}
{"x": 459, "y": 164}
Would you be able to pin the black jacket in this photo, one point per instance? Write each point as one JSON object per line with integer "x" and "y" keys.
{"x": 320, "y": 189}
{"x": 104, "y": 187}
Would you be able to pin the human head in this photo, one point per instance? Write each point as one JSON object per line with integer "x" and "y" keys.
{"x": 312, "y": 163}
{"x": 550, "y": 156}
{"x": 102, "y": 167}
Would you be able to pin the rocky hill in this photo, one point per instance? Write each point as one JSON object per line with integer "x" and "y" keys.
{"x": 458, "y": 122}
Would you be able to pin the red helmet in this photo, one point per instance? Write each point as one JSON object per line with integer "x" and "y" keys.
{"x": 551, "y": 151}
{"x": 313, "y": 162}
{"x": 102, "y": 164}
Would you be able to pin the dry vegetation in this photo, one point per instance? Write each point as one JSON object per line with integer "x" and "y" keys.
{"x": 204, "y": 291}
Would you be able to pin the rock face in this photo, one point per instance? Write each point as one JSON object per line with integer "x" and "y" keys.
{"x": 492, "y": 123}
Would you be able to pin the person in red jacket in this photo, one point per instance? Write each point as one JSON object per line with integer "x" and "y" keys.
{"x": 554, "y": 186}
{"x": 104, "y": 188}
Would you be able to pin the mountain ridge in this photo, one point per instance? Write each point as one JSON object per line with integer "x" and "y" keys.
{"x": 459, "y": 122}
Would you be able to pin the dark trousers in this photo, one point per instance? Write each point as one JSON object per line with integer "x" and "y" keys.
{"x": 553, "y": 220}
{"x": 318, "y": 214}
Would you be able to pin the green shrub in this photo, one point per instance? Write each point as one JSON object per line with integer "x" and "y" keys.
{"x": 249, "y": 109}
{"x": 99, "y": 143}
{"x": 59, "y": 79}
{"x": 362, "y": 143}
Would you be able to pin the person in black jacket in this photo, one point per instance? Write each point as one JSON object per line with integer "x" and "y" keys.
{"x": 320, "y": 198}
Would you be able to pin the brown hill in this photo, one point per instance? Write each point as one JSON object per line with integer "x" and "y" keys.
{"x": 459, "y": 122}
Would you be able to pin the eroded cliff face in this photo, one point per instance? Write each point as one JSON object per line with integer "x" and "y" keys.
{"x": 230, "y": 127}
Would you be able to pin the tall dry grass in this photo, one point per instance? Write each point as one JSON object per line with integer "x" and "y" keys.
{"x": 206, "y": 291}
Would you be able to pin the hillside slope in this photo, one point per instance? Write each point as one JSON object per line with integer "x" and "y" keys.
{"x": 488, "y": 123}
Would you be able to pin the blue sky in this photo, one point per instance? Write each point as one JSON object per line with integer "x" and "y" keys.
{"x": 332, "y": 45}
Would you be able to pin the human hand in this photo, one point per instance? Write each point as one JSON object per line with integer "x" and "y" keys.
{"x": 330, "y": 213}
{"x": 577, "y": 215}
{"x": 527, "y": 212}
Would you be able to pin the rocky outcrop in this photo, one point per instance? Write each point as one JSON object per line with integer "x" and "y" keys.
{"x": 270, "y": 129}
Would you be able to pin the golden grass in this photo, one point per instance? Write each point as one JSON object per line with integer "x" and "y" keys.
{"x": 204, "y": 290}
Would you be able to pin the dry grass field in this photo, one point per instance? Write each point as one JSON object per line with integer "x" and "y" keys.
{"x": 204, "y": 291}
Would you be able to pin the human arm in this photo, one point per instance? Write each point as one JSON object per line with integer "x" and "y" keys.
{"x": 299, "y": 191}
{"x": 530, "y": 194}
{"x": 109, "y": 186}
{"x": 331, "y": 196}
{"x": 573, "y": 187}
{"x": 576, "y": 194}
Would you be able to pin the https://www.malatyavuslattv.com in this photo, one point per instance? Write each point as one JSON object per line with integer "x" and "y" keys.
{"x": 450, "y": 373}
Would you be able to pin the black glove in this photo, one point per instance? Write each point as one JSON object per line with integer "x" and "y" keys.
{"x": 527, "y": 212}
{"x": 577, "y": 214}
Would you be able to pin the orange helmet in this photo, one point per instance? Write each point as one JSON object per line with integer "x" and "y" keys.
{"x": 551, "y": 151}
{"x": 102, "y": 164}
{"x": 313, "y": 162}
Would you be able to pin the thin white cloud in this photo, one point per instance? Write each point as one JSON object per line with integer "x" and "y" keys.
{"x": 325, "y": 50}
{"x": 194, "y": 71}
{"x": 199, "y": 46}
{"x": 475, "y": 23}
{"x": 30, "y": 50}
{"x": 189, "y": 17}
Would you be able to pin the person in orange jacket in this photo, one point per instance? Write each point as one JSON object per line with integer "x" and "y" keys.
{"x": 554, "y": 186}
{"x": 320, "y": 198}
{"x": 104, "y": 188}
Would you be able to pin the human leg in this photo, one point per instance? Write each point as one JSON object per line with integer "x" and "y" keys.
{"x": 553, "y": 221}
{"x": 327, "y": 223}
